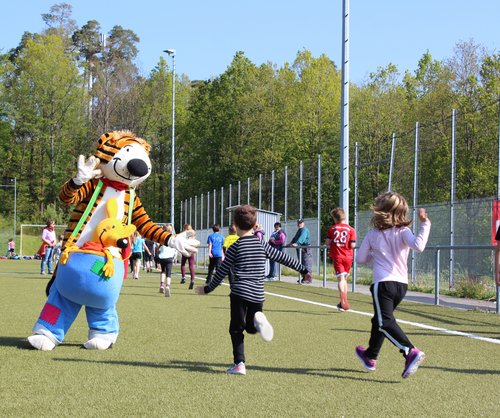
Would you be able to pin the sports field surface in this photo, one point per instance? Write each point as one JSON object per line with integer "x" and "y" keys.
{"x": 172, "y": 353}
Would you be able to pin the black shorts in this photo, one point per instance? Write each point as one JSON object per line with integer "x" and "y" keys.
{"x": 135, "y": 256}
{"x": 148, "y": 257}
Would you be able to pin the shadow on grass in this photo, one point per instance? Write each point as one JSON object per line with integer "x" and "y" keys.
{"x": 23, "y": 343}
{"x": 287, "y": 311}
{"x": 434, "y": 333}
{"x": 443, "y": 317}
{"x": 304, "y": 289}
{"x": 14, "y": 342}
{"x": 358, "y": 331}
{"x": 464, "y": 371}
{"x": 215, "y": 368}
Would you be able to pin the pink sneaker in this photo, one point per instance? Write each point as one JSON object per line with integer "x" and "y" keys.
{"x": 237, "y": 369}
{"x": 162, "y": 288}
{"x": 414, "y": 358}
{"x": 368, "y": 363}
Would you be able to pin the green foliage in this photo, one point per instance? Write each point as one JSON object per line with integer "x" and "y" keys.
{"x": 62, "y": 88}
{"x": 52, "y": 211}
{"x": 473, "y": 288}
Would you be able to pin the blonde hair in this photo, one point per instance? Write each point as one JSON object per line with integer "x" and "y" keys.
{"x": 167, "y": 228}
{"x": 390, "y": 210}
{"x": 338, "y": 215}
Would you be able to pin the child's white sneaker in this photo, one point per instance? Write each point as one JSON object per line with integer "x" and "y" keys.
{"x": 237, "y": 369}
{"x": 264, "y": 328}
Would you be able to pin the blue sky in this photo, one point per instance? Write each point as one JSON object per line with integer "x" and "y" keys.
{"x": 206, "y": 34}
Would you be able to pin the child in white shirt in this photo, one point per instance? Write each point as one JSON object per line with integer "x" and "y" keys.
{"x": 388, "y": 246}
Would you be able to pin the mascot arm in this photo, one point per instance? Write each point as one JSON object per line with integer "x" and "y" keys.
{"x": 72, "y": 194}
{"x": 184, "y": 243}
{"x": 146, "y": 227}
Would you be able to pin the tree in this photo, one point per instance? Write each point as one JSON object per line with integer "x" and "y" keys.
{"x": 377, "y": 111}
{"x": 44, "y": 93}
{"x": 60, "y": 22}
{"x": 115, "y": 76}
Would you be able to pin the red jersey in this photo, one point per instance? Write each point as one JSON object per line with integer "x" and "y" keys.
{"x": 341, "y": 235}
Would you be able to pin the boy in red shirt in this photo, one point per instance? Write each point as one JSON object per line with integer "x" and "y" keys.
{"x": 341, "y": 238}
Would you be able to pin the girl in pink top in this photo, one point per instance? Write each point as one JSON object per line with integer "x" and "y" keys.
{"x": 49, "y": 240}
{"x": 387, "y": 246}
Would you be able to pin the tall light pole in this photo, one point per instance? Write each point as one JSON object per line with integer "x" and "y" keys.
{"x": 171, "y": 52}
{"x": 344, "y": 113}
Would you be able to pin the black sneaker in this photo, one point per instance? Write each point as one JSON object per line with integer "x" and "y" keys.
{"x": 183, "y": 280}
{"x": 191, "y": 285}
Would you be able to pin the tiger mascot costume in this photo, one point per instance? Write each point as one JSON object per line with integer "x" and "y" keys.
{"x": 121, "y": 162}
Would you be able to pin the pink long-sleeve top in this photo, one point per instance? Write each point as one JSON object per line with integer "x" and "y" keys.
{"x": 389, "y": 248}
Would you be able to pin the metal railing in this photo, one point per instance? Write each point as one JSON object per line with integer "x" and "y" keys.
{"x": 437, "y": 263}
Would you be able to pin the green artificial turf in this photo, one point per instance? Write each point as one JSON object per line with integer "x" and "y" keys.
{"x": 172, "y": 353}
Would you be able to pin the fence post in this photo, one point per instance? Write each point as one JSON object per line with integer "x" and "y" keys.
{"x": 285, "y": 209}
{"x": 272, "y": 191}
{"x": 215, "y": 206}
{"x": 301, "y": 179}
{"x": 356, "y": 191}
{"x": 196, "y": 212}
{"x": 436, "y": 282}
{"x": 260, "y": 191}
{"x": 190, "y": 211}
{"x": 391, "y": 165}
{"x": 498, "y": 195}
{"x": 222, "y": 207}
{"x": 180, "y": 213}
{"x": 318, "y": 258}
{"x": 415, "y": 199}
{"x": 201, "y": 211}
{"x": 324, "y": 249}
{"x": 208, "y": 210}
{"x": 452, "y": 194}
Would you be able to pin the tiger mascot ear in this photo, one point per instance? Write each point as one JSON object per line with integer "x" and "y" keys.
{"x": 110, "y": 143}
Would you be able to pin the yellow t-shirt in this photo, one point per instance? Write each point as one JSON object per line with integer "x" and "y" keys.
{"x": 230, "y": 240}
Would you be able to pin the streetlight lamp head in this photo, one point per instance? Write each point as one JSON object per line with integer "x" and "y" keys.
{"x": 170, "y": 51}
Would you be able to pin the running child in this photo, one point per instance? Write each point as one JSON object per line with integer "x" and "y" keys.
{"x": 388, "y": 245}
{"x": 341, "y": 238}
{"x": 246, "y": 261}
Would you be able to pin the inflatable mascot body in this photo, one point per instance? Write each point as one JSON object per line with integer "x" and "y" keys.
{"x": 104, "y": 194}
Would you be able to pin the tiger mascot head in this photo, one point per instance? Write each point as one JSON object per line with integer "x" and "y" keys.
{"x": 123, "y": 157}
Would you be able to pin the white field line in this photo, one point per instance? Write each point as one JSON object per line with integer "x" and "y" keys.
{"x": 401, "y": 321}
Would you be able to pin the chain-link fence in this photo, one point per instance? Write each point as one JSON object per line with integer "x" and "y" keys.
{"x": 462, "y": 150}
